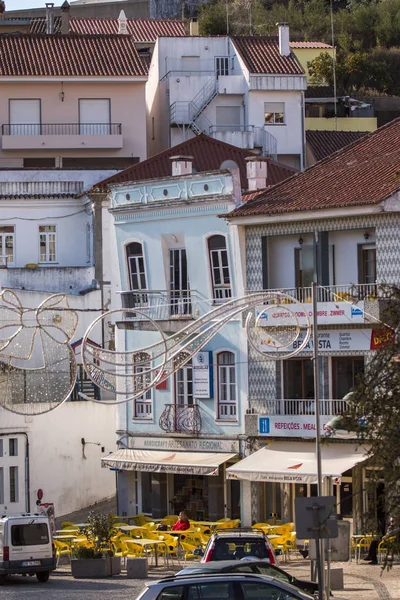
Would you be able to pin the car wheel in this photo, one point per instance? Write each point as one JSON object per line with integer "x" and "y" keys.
{"x": 3, "y": 579}
{"x": 43, "y": 576}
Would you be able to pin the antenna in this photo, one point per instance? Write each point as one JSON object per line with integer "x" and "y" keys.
{"x": 334, "y": 67}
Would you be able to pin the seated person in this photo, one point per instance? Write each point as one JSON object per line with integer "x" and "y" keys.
{"x": 183, "y": 522}
{"x": 393, "y": 530}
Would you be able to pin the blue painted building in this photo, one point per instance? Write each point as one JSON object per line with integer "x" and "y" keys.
{"x": 178, "y": 260}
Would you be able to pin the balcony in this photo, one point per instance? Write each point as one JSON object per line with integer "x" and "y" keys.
{"x": 174, "y": 307}
{"x": 181, "y": 418}
{"x": 333, "y": 293}
{"x": 52, "y": 279}
{"x": 62, "y": 136}
{"x": 246, "y": 137}
{"x": 297, "y": 407}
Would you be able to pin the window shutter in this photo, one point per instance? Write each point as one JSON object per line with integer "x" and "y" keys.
{"x": 297, "y": 272}
{"x": 264, "y": 261}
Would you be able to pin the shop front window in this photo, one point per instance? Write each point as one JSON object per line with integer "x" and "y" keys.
{"x": 345, "y": 371}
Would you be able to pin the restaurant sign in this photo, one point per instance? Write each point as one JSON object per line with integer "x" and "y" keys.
{"x": 184, "y": 444}
{"x": 291, "y": 425}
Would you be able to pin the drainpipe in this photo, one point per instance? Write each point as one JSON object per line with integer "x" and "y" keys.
{"x": 303, "y": 134}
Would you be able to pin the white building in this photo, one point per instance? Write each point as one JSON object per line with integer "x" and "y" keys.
{"x": 247, "y": 91}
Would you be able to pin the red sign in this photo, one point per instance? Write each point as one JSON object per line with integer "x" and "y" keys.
{"x": 381, "y": 338}
{"x": 163, "y": 385}
{"x": 40, "y": 494}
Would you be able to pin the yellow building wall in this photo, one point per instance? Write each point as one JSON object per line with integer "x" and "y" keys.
{"x": 341, "y": 124}
{"x": 306, "y": 55}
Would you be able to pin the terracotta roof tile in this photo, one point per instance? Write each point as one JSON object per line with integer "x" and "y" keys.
{"x": 324, "y": 143}
{"x": 69, "y": 55}
{"x": 319, "y": 91}
{"x": 209, "y": 154}
{"x": 309, "y": 45}
{"x": 261, "y": 56}
{"x": 142, "y": 30}
{"x": 366, "y": 172}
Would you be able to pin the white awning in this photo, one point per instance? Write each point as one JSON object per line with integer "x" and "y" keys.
{"x": 296, "y": 462}
{"x": 184, "y": 463}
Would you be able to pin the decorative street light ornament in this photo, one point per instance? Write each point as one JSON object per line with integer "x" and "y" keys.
{"x": 37, "y": 364}
{"x": 128, "y": 375}
{"x": 275, "y": 328}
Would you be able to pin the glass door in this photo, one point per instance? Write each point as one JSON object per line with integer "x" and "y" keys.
{"x": 179, "y": 283}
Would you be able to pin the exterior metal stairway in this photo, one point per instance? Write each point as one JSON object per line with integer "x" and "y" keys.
{"x": 191, "y": 113}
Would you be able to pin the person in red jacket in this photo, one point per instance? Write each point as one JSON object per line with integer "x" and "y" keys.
{"x": 183, "y": 522}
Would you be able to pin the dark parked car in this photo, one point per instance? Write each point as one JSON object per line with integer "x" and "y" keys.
{"x": 247, "y": 565}
{"x": 235, "y": 544}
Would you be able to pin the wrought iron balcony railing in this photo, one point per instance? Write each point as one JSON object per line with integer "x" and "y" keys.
{"x": 297, "y": 407}
{"x": 62, "y": 129}
{"x": 165, "y": 304}
{"x": 181, "y": 418}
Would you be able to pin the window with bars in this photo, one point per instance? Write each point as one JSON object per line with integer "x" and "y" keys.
{"x": 219, "y": 266}
{"x": 143, "y": 405}
{"x": 47, "y": 243}
{"x": 13, "y": 484}
{"x": 7, "y": 244}
{"x": 226, "y": 385}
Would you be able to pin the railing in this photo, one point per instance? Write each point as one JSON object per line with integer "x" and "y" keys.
{"x": 332, "y": 293}
{"x": 296, "y": 407}
{"x": 206, "y": 94}
{"x": 4, "y": 261}
{"x": 62, "y": 129}
{"x": 181, "y": 418}
{"x": 177, "y": 66}
{"x": 265, "y": 140}
{"x": 162, "y": 305}
{"x": 227, "y": 128}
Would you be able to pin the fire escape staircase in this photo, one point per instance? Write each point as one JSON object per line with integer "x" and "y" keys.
{"x": 191, "y": 113}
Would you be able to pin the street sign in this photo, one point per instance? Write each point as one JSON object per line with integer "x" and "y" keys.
{"x": 316, "y": 518}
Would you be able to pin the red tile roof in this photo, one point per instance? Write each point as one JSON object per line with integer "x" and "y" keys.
{"x": 209, "y": 154}
{"x": 366, "y": 172}
{"x": 69, "y": 55}
{"x": 324, "y": 143}
{"x": 142, "y": 30}
{"x": 261, "y": 56}
{"x": 309, "y": 45}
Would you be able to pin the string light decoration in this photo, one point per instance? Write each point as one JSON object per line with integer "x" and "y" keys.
{"x": 129, "y": 375}
{"x": 37, "y": 363}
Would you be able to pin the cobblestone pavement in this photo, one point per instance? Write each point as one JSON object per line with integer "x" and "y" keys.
{"x": 362, "y": 582}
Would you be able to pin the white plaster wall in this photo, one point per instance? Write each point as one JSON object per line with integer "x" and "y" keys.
{"x": 346, "y": 261}
{"x": 280, "y": 254}
{"x": 57, "y": 464}
{"x": 289, "y": 135}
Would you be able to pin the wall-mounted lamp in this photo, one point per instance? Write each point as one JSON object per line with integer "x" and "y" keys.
{"x": 366, "y": 235}
{"x": 301, "y": 241}
{"x": 61, "y": 95}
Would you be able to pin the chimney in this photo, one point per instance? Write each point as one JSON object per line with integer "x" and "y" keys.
{"x": 194, "y": 27}
{"x": 65, "y": 17}
{"x": 49, "y": 17}
{"x": 2, "y": 9}
{"x": 284, "y": 48}
{"x": 181, "y": 165}
{"x": 122, "y": 23}
{"x": 256, "y": 167}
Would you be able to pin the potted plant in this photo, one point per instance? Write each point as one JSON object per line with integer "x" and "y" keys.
{"x": 96, "y": 559}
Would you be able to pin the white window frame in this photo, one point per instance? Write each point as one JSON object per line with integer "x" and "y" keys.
{"x": 143, "y": 405}
{"x": 278, "y": 117}
{"x": 221, "y": 292}
{"x": 182, "y": 375}
{"x": 134, "y": 258}
{"x": 48, "y": 235}
{"x": 3, "y": 241}
{"x": 227, "y": 407}
{"x": 221, "y": 66}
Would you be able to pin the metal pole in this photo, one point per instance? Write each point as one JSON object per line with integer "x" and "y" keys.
{"x": 319, "y": 543}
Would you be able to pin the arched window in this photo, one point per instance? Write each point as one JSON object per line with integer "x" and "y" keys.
{"x": 137, "y": 272}
{"x": 226, "y": 385}
{"x": 143, "y": 405}
{"x": 219, "y": 266}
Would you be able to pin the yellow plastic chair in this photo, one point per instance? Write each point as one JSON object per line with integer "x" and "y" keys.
{"x": 170, "y": 520}
{"x": 62, "y": 549}
{"x": 385, "y": 546}
{"x": 188, "y": 551}
{"x": 150, "y": 526}
{"x": 68, "y": 525}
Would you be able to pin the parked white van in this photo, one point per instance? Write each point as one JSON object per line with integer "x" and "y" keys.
{"x": 26, "y": 546}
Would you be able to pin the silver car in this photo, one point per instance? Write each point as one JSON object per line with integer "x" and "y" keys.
{"x": 222, "y": 586}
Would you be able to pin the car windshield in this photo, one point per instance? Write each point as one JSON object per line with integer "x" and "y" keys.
{"x": 238, "y": 548}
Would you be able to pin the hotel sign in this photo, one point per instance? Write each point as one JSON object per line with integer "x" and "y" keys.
{"x": 329, "y": 313}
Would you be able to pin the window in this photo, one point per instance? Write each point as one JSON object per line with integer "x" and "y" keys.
{"x": 1, "y": 448}
{"x": 184, "y": 385}
{"x": 1, "y": 485}
{"x": 179, "y": 283}
{"x": 264, "y": 591}
{"x": 228, "y": 117}
{"x": 345, "y": 371}
{"x": 13, "y": 446}
{"x": 143, "y": 404}
{"x": 47, "y": 242}
{"x": 221, "y": 590}
{"x": 219, "y": 266}
{"x": 25, "y": 117}
{"x": 221, "y": 65}
{"x": 137, "y": 272}
{"x": 88, "y": 243}
{"x": 298, "y": 387}
{"x": 274, "y": 113}
{"x": 32, "y": 534}
{"x": 13, "y": 484}
{"x": 94, "y": 116}
{"x": 367, "y": 263}
{"x": 304, "y": 266}
{"x": 6, "y": 244}
{"x": 172, "y": 593}
{"x": 226, "y": 385}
